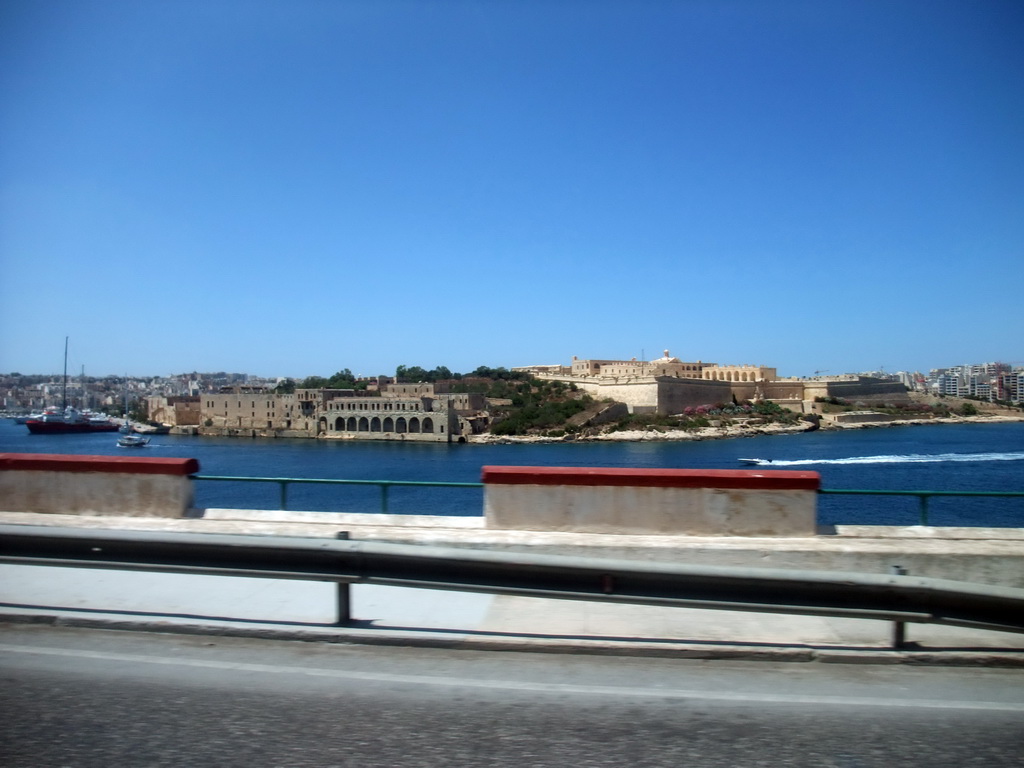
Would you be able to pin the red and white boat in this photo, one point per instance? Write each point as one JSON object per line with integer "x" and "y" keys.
{"x": 55, "y": 422}
{"x": 69, "y": 420}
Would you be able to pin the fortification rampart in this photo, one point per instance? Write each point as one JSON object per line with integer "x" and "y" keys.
{"x": 861, "y": 389}
{"x": 651, "y": 394}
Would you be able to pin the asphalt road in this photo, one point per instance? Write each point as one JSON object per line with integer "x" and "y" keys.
{"x": 84, "y": 698}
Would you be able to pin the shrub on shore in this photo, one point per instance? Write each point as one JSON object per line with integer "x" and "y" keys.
{"x": 701, "y": 416}
{"x": 538, "y": 406}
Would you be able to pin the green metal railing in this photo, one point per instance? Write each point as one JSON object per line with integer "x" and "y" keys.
{"x": 384, "y": 485}
{"x": 923, "y": 496}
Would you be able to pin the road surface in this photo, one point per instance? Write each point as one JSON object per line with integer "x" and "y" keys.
{"x": 90, "y": 698}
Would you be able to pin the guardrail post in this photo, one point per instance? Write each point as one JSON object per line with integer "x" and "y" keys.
{"x": 284, "y": 495}
{"x": 344, "y": 593}
{"x": 899, "y": 628}
{"x": 384, "y": 498}
{"x": 924, "y": 509}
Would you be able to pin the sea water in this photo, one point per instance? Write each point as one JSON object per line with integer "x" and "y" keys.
{"x": 959, "y": 457}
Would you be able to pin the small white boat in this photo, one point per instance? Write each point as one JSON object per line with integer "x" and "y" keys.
{"x": 133, "y": 441}
{"x": 755, "y": 461}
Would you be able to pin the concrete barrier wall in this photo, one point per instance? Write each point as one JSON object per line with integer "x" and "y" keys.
{"x": 129, "y": 486}
{"x": 651, "y": 501}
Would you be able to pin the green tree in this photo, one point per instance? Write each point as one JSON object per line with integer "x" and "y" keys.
{"x": 313, "y": 382}
{"x": 441, "y": 373}
{"x": 497, "y": 373}
{"x": 343, "y": 379}
{"x": 137, "y": 410}
{"x": 286, "y": 387}
{"x": 410, "y": 374}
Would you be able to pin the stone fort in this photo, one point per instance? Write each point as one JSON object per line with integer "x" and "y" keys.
{"x": 430, "y": 412}
{"x": 668, "y": 385}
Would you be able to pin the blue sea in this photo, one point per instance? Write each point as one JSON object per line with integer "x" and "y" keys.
{"x": 962, "y": 457}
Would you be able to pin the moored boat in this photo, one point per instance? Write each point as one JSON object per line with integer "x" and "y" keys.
{"x": 69, "y": 421}
{"x": 153, "y": 428}
{"x": 29, "y": 417}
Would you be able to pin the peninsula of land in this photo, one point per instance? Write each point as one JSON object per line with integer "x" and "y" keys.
{"x": 740, "y": 431}
{"x": 587, "y": 400}
{"x": 665, "y": 399}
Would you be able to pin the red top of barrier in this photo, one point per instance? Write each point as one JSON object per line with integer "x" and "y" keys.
{"x": 772, "y": 479}
{"x": 138, "y": 465}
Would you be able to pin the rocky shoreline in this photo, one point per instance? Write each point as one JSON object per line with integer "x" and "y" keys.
{"x": 655, "y": 434}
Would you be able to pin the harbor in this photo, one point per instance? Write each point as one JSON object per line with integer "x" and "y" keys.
{"x": 945, "y": 457}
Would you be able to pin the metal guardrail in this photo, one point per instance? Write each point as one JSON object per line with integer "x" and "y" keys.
{"x": 924, "y": 496}
{"x": 384, "y": 485}
{"x": 893, "y": 597}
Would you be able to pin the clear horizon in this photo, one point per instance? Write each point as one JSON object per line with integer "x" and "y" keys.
{"x": 293, "y": 188}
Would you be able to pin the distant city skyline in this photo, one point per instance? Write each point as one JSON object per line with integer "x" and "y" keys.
{"x": 291, "y": 188}
{"x": 76, "y": 374}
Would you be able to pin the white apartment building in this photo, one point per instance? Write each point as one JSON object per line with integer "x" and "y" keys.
{"x": 989, "y": 381}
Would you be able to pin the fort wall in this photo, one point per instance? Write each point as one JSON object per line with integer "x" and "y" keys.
{"x": 857, "y": 389}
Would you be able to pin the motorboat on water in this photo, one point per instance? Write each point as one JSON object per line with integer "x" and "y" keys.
{"x": 758, "y": 462}
{"x": 132, "y": 441}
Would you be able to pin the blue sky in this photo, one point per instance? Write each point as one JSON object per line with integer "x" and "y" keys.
{"x": 292, "y": 188}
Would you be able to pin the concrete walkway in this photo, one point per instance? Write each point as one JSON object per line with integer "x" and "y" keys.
{"x": 394, "y": 615}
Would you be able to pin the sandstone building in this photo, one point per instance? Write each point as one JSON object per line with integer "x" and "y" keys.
{"x": 668, "y": 385}
{"x": 430, "y": 412}
{"x": 180, "y": 410}
{"x": 412, "y": 412}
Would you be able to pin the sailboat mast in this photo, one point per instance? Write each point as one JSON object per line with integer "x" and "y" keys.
{"x": 64, "y": 388}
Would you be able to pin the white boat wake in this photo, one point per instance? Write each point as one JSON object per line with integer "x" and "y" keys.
{"x": 913, "y": 458}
